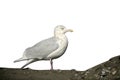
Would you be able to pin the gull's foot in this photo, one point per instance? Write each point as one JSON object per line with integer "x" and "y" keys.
{"x": 26, "y": 68}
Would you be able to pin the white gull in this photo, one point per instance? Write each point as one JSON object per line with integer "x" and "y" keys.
{"x": 47, "y": 49}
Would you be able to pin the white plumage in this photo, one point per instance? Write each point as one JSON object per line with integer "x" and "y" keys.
{"x": 47, "y": 49}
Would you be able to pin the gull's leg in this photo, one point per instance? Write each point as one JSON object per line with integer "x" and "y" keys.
{"x": 51, "y": 63}
{"x": 29, "y": 61}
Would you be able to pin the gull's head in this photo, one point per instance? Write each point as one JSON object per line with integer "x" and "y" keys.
{"x": 60, "y": 29}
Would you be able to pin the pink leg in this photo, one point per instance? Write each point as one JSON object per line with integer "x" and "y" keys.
{"x": 51, "y": 63}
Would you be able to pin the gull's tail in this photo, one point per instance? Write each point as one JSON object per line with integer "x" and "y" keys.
{"x": 20, "y": 59}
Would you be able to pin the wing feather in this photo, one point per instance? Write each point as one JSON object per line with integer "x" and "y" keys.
{"x": 42, "y": 49}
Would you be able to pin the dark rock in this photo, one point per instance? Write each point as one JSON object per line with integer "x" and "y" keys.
{"x": 109, "y": 70}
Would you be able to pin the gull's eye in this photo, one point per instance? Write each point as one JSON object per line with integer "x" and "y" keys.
{"x": 62, "y": 28}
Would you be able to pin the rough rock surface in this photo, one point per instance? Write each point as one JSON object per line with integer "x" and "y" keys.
{"x": 109, "y": 70}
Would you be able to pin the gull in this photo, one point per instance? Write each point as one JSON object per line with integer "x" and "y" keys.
{"x": 47, "y": 49}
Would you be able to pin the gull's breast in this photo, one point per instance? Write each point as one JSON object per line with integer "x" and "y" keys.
{"x": 63, "y": 43}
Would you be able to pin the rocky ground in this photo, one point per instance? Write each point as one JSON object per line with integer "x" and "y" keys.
{"x": 109, "y": 70}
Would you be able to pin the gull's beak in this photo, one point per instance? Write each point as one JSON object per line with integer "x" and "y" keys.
{"x": 68, "y": 30}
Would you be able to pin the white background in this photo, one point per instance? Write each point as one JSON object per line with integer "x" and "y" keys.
{"x": 96, "y": 25}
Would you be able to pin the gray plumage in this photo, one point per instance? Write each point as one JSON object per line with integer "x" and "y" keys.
{"x": 47, "y": 49}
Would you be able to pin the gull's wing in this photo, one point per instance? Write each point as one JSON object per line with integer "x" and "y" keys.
{"x": 42, "y": 49}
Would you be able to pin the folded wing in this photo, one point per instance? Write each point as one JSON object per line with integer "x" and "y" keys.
{"x": 42, "y": 49}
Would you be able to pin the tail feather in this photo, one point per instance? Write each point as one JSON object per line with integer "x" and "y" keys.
{"x": 20, "y": 59}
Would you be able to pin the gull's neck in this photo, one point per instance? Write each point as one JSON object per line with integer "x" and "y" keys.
{"x": 60, "y": 35}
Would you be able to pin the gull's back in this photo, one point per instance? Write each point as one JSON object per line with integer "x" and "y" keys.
{"x": 42, "y": 49}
